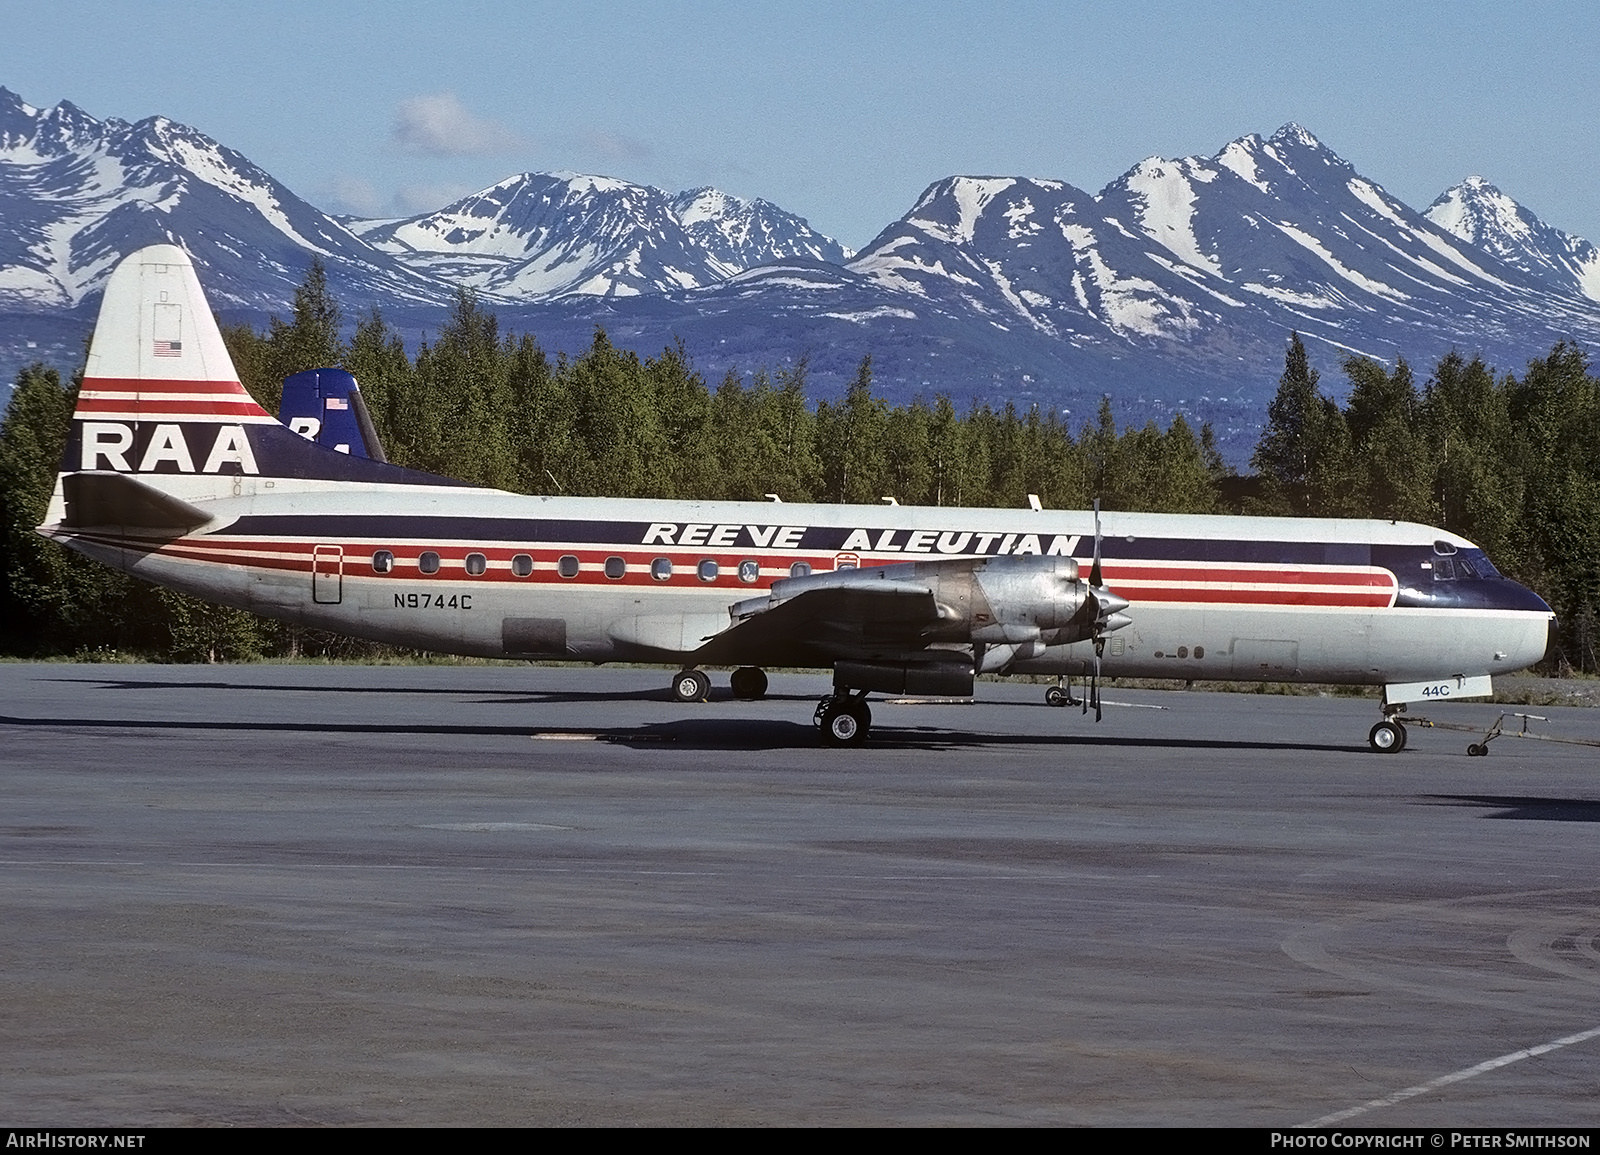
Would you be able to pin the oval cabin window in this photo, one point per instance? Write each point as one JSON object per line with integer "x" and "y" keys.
{"x": 382, "y": 561}
{"x": 616, "y": 568}
{"x": 428, "y": 562}
{"x": 567, "y": 566}
{"x": 477, "y": 564}
{"x": 522, "y": 565}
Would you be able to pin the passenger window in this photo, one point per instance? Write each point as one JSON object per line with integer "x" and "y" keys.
{"x": 615, "y": 568}
{"x": 749, "y": 571}
{"x": 708, "y": 570}
{"x": 522, "y": 565}
{"x": 382, "y": 561}
{"x": 476, "y": 564}
{"x": 428, "y": 562}
{"x": 661, "y": 569}
{"x": 799, "y": 569}
{"x": 567, "y": 566}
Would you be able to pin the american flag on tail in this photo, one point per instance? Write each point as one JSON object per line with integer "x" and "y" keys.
{"x": 167, "y": 348}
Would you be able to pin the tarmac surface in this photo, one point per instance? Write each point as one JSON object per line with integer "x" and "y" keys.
{"x": 349, "y": 895}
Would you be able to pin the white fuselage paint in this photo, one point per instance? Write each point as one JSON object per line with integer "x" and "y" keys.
{"x": 606, "y": 618}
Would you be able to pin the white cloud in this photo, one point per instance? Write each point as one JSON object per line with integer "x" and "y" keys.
{"x": 411, "y": 199}
{"x": 355, "y": 196}
{"x": 440, "y": 125}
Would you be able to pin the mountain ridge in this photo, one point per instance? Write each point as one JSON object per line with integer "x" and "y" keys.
{"x": 1173, "y": 288}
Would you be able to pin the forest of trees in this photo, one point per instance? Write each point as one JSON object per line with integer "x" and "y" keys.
{"x": 1510, "y": 462}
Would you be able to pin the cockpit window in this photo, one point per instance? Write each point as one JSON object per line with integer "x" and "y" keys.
{"x": 1443, "y": 548}
{"x": 1444, "y": 570}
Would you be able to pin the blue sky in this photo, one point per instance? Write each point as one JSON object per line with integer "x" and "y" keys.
{"x": 842, "y": 113}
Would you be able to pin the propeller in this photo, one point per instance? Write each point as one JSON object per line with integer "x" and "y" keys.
{"x": 1095, "y": 580}
{"x": 1107, "y": 606}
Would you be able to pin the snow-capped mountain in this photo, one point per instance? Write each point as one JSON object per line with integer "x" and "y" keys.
{"x": 77, "y": 194}
{"x": 1482, "y": 215}
{"x": 544, "y": 236}
{"x": 1266, "y": 236}
{"x": 1173, "y": 288}
{"x": 741, "y": 234}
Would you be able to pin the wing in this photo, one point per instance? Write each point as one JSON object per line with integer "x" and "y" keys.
{"x": 826, "y": 617}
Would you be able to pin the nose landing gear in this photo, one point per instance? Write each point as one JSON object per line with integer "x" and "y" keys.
{"x": 1387, "y": 737}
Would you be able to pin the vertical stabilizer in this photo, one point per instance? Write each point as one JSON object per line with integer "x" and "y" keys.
{"x": 161, "y": 402}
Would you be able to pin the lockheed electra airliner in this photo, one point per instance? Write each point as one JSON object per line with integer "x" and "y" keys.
{"x": 173, "y": 473}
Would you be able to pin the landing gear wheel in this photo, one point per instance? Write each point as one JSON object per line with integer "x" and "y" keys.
{"x": 1387, "y": 737}
{"x": 845, "y": 722}
{"x": 1478, "y": 750}
{"x": 1056, "y": 696}
{"x": 691, "y": 686}
{"x": 749, "y": 683}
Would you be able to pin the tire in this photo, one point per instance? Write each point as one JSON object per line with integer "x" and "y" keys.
{"x": 1478, "y": 750}
{"x": 749, "y": 683}
{"x": 846, "y": 723}
{"x": 1056, "y": 696}
{"x": 1387, "y": 737}
{"x": 690, "y": 686}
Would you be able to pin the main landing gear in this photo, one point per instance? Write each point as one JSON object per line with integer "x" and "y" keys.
{"x": 690, "y": 686}
{"x": 748, "y": 682}
{"x": 844, "y": 718}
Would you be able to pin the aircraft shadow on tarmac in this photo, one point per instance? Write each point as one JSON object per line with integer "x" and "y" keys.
{"x": 1527, "y": 809}
{"x": 511, "y": 696}
{"x": 697, "y": 734}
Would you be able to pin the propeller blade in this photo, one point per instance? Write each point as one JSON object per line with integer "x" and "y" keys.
{"x": 1094, "y": 571}
{"x": 1096, "y": 690}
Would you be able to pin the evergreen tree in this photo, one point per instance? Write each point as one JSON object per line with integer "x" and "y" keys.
{"x": 849, "y": 440}
{"x": 1286, "y": 456}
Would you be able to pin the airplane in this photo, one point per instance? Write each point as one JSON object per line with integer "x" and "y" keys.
{"x": 172, "y": 472}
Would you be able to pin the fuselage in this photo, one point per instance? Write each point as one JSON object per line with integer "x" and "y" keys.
{"x": 494, "y": 574}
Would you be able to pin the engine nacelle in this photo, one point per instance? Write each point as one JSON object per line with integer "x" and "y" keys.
{"x": 1030, "y": 599}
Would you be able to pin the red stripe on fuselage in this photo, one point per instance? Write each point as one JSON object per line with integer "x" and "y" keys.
{"x": 1221, "y": 585}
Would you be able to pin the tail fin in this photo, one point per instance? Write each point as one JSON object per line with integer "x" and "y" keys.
{"x": 326, "y": 406}
{"x": 161, "y": 397}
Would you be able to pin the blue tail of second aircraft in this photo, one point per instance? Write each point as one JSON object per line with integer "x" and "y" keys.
{"x": 325, "y": 406}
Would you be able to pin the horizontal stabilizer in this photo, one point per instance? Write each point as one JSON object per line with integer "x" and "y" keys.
{"x": 117, "y": 501}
